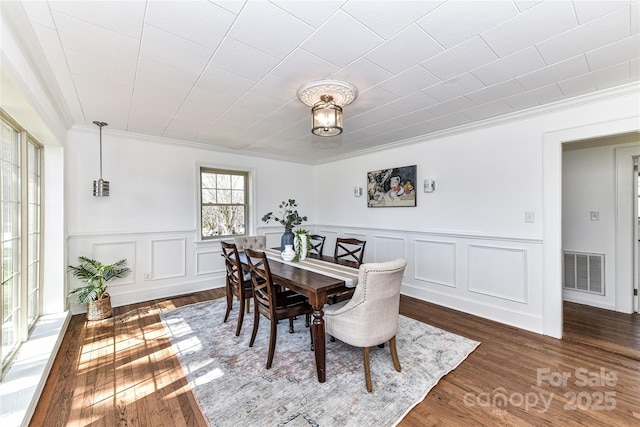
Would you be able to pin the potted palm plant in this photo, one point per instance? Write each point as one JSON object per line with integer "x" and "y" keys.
{"x": 94, "y": 292}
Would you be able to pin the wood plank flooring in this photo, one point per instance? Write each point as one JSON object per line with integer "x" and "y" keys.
{"x": 122, "y": 372}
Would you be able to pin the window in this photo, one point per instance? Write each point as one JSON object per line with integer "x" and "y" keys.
{"x": 20, "y": 197}
{"x": 224, "y": 207}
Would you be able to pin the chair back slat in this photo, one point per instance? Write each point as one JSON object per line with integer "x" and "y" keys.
{"x": 232, "y": 265}
{"x": 317, "y": 243}
{"x": 350, "y": 249}
{"x": 263, "y": 288}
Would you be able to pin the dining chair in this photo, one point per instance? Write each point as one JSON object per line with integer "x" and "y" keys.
{"x": 251, "y": 242}
{"x": 349, "y": 249}
{"x": 238, "y": 284}
{"x": 370, "y": 317}
{"x": 317, "y": 243}
{"x": 270, "y": 303}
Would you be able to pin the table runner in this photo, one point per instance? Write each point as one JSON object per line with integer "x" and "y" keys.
{"x": 338, "y": 271}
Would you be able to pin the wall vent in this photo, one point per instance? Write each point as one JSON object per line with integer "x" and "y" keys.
{"x": 584, "y": 272}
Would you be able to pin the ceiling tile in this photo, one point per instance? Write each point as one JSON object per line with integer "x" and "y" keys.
{"x": 215, "y": 103}
{"x": 103, "y": 100}
{"x": 485, "y": 111}
{"x": 225, "y": 82}
{"x": 590, "y": 10}
{"x": 304, "y": 67}
{"x": 122, "y": 17}
{"x": 468, "y": 55}
{"x": 372, "y": 117}
{"x": 539, "y": 23}
{"x": 199, "y": 21}
{"x": 553, "y": 73}
{"x": 406, "y": 49}
{"x": 313, "y": 13}
{"x": 38, "y": 12}
{"x": 590, "y": 80}
{"x": 370, "y": 99}
{"x": 415, "y": 101}
{"x": 454, "y": 87}
{"x": 457, "y": 21}
{"x": 496, "y": 92}
{"x": 592, "y": 35}
{"x": 169, "y": 49}
{"x": 509, "y": 67}
{"x": 243, "y": 60}
{"x": 534, "y": 97}
{"x": 233, "y": 6}
{"x": 362, "y": 74}
{"x": 388, "y": 18}
{"x": 277, "y": 88}
{"x": 94, "y": 66}
{"x": 276, "y": 40}
{"x": 523, "y": 5}
{"x": 88, "y": 38}
{"x": 635, "y": 18}
{"x": 328, "y": 41}
{"x": 450, "y": 106}
{"x": 615, "y": 53}
{"x": 410, "y": 81}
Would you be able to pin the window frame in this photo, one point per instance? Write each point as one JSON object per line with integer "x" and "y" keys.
{"x": 29, "y": 262}
{"x": 202, "y": 169}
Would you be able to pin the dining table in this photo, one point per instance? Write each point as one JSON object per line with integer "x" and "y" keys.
{"x": 318, "y": 278}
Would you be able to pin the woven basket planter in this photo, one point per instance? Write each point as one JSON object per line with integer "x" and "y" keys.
{"x": 99, "y": 309}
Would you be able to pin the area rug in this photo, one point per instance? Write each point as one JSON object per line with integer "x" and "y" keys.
{"x": 233, "y": 388}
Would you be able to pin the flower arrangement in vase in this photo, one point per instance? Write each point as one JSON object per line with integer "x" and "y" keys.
{"x": 289, "y": 218}
{"x": 302, "y": 244}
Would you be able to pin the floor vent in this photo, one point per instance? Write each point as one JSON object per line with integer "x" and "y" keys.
{"x": 584, "y": 272}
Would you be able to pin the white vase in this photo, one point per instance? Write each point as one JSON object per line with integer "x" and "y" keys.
{"x": 301, "y": 240}
{"x": 288, "y": 254}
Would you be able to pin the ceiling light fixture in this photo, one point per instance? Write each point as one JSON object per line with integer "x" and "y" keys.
{"x": 100, "y": 187}
{"x": 327, "y": 97}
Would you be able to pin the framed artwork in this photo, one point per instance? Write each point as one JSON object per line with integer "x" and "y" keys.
{"x": 391, "y": 187}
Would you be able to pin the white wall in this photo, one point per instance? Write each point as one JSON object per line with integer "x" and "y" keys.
{"x": 467, "y": 244}
{"x": 589, "y": 184}
{"x": 151, "y": 215}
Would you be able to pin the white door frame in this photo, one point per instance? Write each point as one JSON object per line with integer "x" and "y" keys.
{"x": 552, "y": 210}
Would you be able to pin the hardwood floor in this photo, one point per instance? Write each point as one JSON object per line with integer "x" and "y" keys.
{"x": 122, "y": 372}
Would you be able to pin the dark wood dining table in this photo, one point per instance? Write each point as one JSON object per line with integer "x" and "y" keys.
{"x": 317, "y": 287}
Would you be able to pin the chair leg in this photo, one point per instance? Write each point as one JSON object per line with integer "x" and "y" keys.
{"x": 367, "y": 369}
{"x": 240, "y": 316}
{"x": 273, "y": 335}
{"x": 307, "y": 320}
{"x": 229, "y": 304}
{"x": 256, "y": 323}
{"x": 291, "y": 325}
{"x": 394, "y": 353}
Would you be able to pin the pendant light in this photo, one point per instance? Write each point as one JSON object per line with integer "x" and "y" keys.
{"x": 100, "y": 187}
{"x": 327, "y": 97}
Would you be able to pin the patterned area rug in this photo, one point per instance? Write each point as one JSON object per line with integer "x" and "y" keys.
{"x": 233, "y": 387}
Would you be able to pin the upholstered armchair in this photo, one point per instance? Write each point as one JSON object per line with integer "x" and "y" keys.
{"x": 370, "y": 317}
{"x": 251, "y": 242}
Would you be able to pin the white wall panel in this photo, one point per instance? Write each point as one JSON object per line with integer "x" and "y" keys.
{"x": 108, "y": 253}
{"x": 498, "y": 272}
{"x": 168, "y": 258}
{"x": 435, "y": 262}
{"x": 208, "y": 262}
{"x": 385, "y": 248}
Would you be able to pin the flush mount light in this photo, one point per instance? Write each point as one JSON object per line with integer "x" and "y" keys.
{"x": 100, "y": 187}
{"x": 327, "y": 97}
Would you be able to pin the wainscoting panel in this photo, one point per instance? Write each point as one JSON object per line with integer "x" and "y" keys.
{"x": 385, "y": 248}
{"x": 498, "y": 272}
{"x": 435, "y": 262}
{"x": 168, "y": 258}
{"x": 111, "y": 252}
{"x": 208, "y": 262}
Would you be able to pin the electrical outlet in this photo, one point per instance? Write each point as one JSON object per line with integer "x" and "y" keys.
{"x": 529, "y": 216}
{"x": 595, "y": 215}
{"x": 147, "y": 276}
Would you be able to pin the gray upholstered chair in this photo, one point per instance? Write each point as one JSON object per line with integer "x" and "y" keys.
{"x": 251, "y": 242}
{"x": 370, "y": 317}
